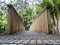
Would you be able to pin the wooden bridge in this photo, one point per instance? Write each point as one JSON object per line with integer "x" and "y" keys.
{"x": 15, "y": 24}
{"x": 37, "y": 34}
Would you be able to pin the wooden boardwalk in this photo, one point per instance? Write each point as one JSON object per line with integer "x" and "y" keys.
{"x": 29, "y": 38}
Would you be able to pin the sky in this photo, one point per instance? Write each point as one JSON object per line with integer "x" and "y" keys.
{"x": 5, "y": 1}
{"x": 8, "y": 1}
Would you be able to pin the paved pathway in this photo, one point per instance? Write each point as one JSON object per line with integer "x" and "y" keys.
{"x": 29, "y": 38}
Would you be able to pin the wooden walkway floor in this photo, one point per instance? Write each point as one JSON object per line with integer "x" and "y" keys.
{"x": 29, "y": 38}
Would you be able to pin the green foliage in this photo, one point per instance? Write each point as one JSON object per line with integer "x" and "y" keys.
{"x": 27, "y": 17}
{"x": 38, "y": 9}
{"x": 58, "y": 3}
{"x": 3, "y": 20}
{"x": 2, "y": 23}
{"x": 46, "y": 3}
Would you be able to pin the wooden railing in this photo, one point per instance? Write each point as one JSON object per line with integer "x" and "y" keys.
{"x": 15, "y": 23}
{"x": 40, "y": 24}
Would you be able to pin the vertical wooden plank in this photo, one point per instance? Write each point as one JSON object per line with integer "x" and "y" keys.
{"x": 10, "y": 23}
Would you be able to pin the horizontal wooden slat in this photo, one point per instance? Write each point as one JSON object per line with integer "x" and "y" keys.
{"x": 25, "y": 42}
{"x": 30, "y": 38}
{"x": 32, "y": 42}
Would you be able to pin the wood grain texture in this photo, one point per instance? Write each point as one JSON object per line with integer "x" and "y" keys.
{"x": 40, "y": 24}
{"x": 15, "y": 23}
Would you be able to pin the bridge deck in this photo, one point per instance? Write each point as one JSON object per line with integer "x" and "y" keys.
{"x": 29, "y": 38}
